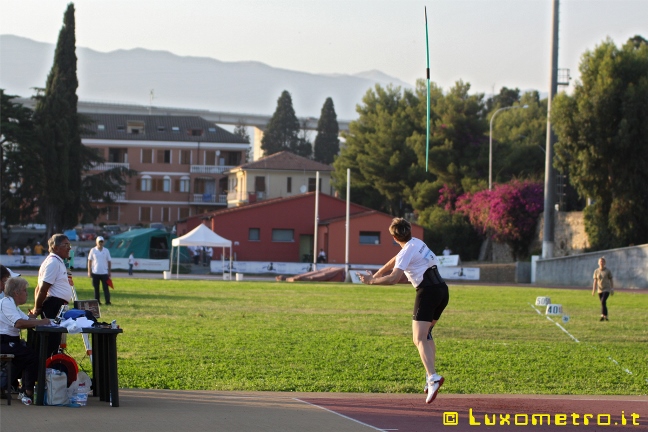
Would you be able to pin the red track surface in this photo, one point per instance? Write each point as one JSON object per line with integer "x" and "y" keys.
{"x": 409, "y": 413}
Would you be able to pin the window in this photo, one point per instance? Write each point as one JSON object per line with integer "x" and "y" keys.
{"x": 164, "y": 156}
{"x": 311, "y": 184}
{"x": 289, "y": 185}
{"x": 233, "y": 158}
{"x": 195, "y": 132}
{"x": 145, "y": 214}
{"x": 212, "y": 129}
{"x": 199, "y": 186}
{"x": 119, "y": 155}
{"x": 184, "y": 213}
{"x": 112, "y": 213}
{"x": 370, "y": 237}
{"x": 233, "y": 184}
{"x": 283, "y": 235}
{"x": 161, "y": 128}
{"x": 135, "y": 127}
{"x": 121, "y": 128}
{"x": 175, "y": 128}
{"x": 166, "y": 214}
{"x": 147, "y": 156}
{"x": 145, "y": 184}
{"x": 210, "y": 157}
{"x": 182, "y": 185}
{"x": 185, "y": 157}
{"x": 259, "y": 184}
{"x": 162, "y": 184}
{"x": 101, "y": 127}
{"x": 254, "y": 234}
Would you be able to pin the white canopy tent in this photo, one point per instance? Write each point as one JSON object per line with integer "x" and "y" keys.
{"x": 200, "y": 236}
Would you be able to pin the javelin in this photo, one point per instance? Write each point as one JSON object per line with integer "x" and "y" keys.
{"x": 427, "y": 135}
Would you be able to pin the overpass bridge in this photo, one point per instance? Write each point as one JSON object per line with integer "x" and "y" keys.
{"x": 219, "y": 117}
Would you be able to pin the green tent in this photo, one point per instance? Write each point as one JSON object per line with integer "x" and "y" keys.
{"x": 148, "y": 243}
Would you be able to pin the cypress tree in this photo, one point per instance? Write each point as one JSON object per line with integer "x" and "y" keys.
{"x": 327, "y": 143}
{"x": 282, "y": 132}
{"x": 55, "y": 178}
{"x": 57, "y": 135}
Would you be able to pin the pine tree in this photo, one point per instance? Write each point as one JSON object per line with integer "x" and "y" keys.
{"x": 327, "y": 143}
{"x": 282, "y": 132}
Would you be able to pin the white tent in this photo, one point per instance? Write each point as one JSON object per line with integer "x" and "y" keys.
{"x": 200, "y": 236}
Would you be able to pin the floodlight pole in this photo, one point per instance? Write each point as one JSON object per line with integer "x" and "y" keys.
{"x": 549, "y": 193}
{"x": 346, "y": 239}
{"x": 317, "y": 180}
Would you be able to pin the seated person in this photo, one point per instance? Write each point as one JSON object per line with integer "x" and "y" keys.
{"x": 321, "y": 256}
{"x": 12, "y": 320}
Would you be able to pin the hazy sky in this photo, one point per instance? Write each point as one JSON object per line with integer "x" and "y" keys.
{"x": 488, "y": 43}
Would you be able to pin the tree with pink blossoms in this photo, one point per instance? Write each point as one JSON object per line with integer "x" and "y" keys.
{"x": 507, "y": 214}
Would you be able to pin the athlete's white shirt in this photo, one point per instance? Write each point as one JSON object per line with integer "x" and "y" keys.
{"x": 414, "y": 259}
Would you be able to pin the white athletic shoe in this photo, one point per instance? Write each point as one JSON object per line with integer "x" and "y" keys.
{"x": 434, "y": 382}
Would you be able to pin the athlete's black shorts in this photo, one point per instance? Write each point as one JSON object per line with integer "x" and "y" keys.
{"x": 431, "y": 297}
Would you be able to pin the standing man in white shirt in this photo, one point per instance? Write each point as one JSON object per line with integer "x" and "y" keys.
{"x": 131, "y": 263}
{"x": 99, "y": 265}
{"x": 53, "y": 289}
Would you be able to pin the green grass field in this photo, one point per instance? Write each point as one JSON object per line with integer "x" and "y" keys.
{"x": 278, "y": 336}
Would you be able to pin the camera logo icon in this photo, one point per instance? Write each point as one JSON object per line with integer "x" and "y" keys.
{"x": 450, "y": 418}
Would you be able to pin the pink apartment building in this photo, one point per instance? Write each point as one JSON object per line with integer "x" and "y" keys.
{"x": 181, "y": 162}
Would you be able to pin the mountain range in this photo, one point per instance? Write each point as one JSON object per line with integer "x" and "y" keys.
{"x": 128, "y": 76}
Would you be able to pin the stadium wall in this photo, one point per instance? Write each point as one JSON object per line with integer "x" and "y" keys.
{"x": 629, "y": 268}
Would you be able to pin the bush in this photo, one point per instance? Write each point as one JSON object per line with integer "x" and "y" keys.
{"x": 444, "y": 228}
{"x": 507, "y": 214}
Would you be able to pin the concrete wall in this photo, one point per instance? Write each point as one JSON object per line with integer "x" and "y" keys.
{"x": 629, "y": 268}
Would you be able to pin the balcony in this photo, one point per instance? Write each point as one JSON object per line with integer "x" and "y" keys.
{"x": 110, "y": 165}
{"x": 118, "y": 197}
{"x": 209, "y": 199}
{"x": 210, "y": 169}
{"x": 235, "y": 199}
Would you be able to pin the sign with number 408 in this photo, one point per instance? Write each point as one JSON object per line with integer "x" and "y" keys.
{"x": 554, "y": 309}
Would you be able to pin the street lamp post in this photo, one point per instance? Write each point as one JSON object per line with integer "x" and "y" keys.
{"x": 490, "y": 143}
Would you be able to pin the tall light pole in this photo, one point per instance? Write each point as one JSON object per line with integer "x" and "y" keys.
{"x": 549, "y": 183}
{"x": 490, "y": 143}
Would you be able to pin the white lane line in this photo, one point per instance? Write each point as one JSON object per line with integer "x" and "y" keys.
{"x": 626, "y": 370}
{"x": 559, "y": 326}
{"x": 346, "y": 417}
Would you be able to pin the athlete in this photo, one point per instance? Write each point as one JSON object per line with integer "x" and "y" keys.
{"x": 419, "y": 264}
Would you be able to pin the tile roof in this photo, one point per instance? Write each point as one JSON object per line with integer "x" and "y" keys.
{"x": 285, "y": 160}
{"x": 280, "y": 200}
{"x": 158, "y": 128}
